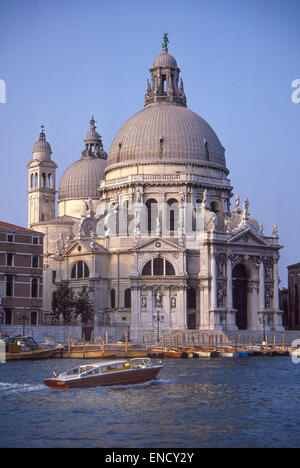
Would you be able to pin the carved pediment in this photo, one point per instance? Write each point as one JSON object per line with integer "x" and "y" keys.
{"x": 158, "y": 245}
{"x": 80, "y": 247}
{"x": 247, "y": 237}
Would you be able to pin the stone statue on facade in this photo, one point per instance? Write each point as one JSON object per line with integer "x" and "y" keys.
{"x": 138, "y": 196}
{"x": 117, "y": 200}
{"x": 89, "y": 207}
{"x": 181, "y": 197}
{"x": 237, "y": 204}
{"x": 204, "y": 200}
{"x": 275, "y": 230}
{"x": 158, "y": 298}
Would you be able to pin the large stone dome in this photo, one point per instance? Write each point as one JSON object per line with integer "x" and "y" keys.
{"x": 166, "y": 132}
{"x": 82, "y": 178}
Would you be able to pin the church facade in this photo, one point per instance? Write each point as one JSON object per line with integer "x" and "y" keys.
{"x": 151, "y": 228}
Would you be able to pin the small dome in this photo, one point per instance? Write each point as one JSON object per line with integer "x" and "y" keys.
{"x": 165, "y": 60}
{"x": 82, "y": 178}
{"x": 42, "y": 147}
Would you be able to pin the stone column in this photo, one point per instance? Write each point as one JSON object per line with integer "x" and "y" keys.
{"x": 261, "y": 287}
{"x": 276, "y": 286}
{"x": 181, "y": 309}
{"x": 229, "y": 299}
{"x": 168, "y": 310}
{"x": 135, "y": 311}
{"x": 252, "y": 298}
{"x": 276, "y": 306}
{"x": 198, "y": 307}
{"x": 214, "y": 284}
{"x": 230, "y": 319}
{"x": 213, "y": 292}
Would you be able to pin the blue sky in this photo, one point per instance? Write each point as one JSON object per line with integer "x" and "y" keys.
{"x": 63, "y": 61}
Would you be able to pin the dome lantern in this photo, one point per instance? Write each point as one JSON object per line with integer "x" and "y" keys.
{"x": 93, "y": 143}
{"x": 165, "y": 78}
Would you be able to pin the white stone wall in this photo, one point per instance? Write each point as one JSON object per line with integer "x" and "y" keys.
{"x": 60, "y": 334}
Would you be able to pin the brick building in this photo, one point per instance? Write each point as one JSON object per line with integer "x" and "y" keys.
{"x": 294, "y": 296}
{"x": 21, "y": 275}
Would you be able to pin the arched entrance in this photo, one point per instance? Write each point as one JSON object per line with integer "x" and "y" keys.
{"x": 240, "y": 285}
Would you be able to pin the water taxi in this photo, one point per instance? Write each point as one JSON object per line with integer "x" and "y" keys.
{"x": 26, "y": 348}
{"x": 122, "y": 372}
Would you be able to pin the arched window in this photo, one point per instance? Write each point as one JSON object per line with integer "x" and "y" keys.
{"x": 35, "y": 179}
{"x": 50, "y": 180}
{"x": 173, "y": 214}
{"x": 44, "y": 180}
{"x": 152, "y": 212}
{"x": 127, "y": 298}
{"x": 112, "y": 298}
{"x": 80, "y": 270}
{"x": 158, "y": 267}
{"x": 32, "y": 181}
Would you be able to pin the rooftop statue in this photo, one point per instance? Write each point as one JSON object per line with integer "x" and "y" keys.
{"x": 165, "y": 42}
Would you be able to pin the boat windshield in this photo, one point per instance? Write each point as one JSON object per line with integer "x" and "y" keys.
{"x": 140, "y": 362}
{"x": 81, "y": 371}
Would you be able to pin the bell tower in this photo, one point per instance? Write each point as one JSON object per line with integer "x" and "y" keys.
{"x": 41, "y": 182}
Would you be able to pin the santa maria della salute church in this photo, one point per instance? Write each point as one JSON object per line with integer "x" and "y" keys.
{"x": 153, "y": 226}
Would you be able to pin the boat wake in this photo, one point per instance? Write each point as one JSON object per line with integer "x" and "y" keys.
{"x": 142, "y": 385}
{"x": 19, "y": 388}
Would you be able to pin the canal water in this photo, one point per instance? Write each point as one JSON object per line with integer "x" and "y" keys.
{"x": 243, "y": 402}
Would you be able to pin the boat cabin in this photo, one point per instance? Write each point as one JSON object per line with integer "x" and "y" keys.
{"x": 101, "y": 368}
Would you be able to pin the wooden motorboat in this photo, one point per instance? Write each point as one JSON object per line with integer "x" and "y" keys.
{"x": 207, "y": 353}
{"x": 124, "y": 350}
{"x": 202, "y": 353}
{"x": 243, "y": 352}
{"x": 122, "y": 372}
{"x": 228, "y": 352}
{"x": 86, "y": 351}
{"x": 25, "y": 348}
{"x": 165, "y": 352}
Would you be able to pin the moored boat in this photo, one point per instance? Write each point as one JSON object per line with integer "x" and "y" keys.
{"x": 164, "y": 352}
{"x": 228, "y": 352}
{"x": 25, "y": 348}
{"x": 126, "y": 350}
{"x": 121, "y": 372}
{"x": 86, "y": 351}
{"x": 243, "y": 352}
